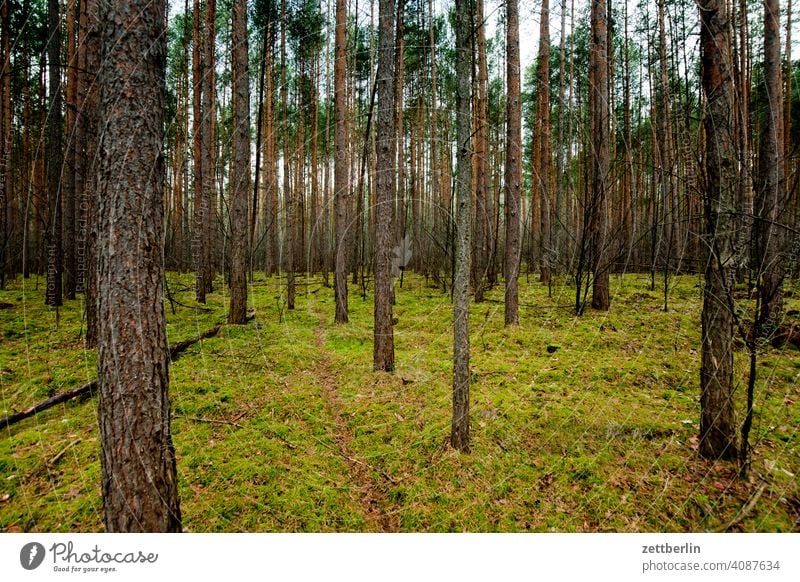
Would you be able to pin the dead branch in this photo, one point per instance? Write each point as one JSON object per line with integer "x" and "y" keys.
{"x": 91, "y": 387}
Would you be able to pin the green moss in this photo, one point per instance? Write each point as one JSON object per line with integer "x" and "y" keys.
{"x": 591, "y": 436}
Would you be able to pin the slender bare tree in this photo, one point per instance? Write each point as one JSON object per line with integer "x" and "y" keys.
{"x": 513, "y": 169}
{"x": 459, "y": 436}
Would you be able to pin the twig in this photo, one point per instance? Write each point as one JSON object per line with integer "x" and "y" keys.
{"x": 350, "y": 459}
{"x": 746, "y": 508}
{"x": 208, "y": 420}
{"x": 57, "y": 458}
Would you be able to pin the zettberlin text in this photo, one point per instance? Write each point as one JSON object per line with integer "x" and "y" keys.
{"x": 671, "y": 549}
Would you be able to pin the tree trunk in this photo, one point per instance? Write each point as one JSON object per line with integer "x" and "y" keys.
{"x": 459, "y": 436}
{"x": 140, "y": 492}
{"x": 288, "y": 199}
{"x": 545, "y": 160}
{"x": 209, "y": 144}
{"x": 513, "y": 169}
{"x": 53, "y": 296}
{"x": 251, "y": 235}
{"x": 433, "y": 206}
{"x": 69, "y": 166}
{"x": 270, "y": 174}
{"x": 771, "y": 178}
{"x": 717, "y": 424}
{"x": 787, "y": 112}
{"x": 317, "y": 227}
{"x": 91, "y": 136}
{"x": 398, "y": 206}
{"x": 341, "y": 173}
{"x": 599, "y": 116}
{"x": 200, "y": 210}
{"x": 484, "y": 225}
{"x": 240, "y": 167}
{"x": 5, "y": 142}
{"x": 383, "y": 347}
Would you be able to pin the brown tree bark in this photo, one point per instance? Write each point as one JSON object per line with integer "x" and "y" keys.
{"x": 398, "y": 206}
{"x": 787, "y": 111}
{"x": 545, "y": 159}
{"x": 599, "y": 118}
{"x": 432, "y": 208}
{"x": 86, "y": 174}
{"x": 484, "y": 224}
{"x": 299, "y": 190}
{"x": 341, "y": 172}
{"x": 459, "y": 436}
{"x": 667, "y": 174}
{"x": 288, "y": 198}
{"x": 717, "y": 423}
{"x": 140, "y": 491}
{"x": 770, "y": 193}
{"x": 209, "y": 143}
{"x": 513, "y": 169}
{"x": 240, "y": 167}
{"x": 5, "y": 142}
{"x": 270, "y": 174}
{"x": 316, "y": 225}
{"x": 68, "y": 203}
{"x": 383, "y": 347}
{"x": 200, "y": 209}
{"x": 55, "y": 159}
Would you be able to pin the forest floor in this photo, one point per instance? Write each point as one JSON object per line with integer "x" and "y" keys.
{"x": 578, "y": 423}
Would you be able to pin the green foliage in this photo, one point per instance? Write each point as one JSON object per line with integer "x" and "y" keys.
{"x": 281, "y": 424}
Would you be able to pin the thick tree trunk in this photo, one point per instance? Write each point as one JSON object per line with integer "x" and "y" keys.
{"x": 240, "y": 168}
{"x": 459, "y": 436}
{"x": 140, "y": 491}
{"x": 513, "y": 169}
{"x": 341, "y": 173}
{"x": 717, "y": 423}
{"x": 383, "y": 347}
{"x": 599, "y": 116}
{"x": 771, "y": 178}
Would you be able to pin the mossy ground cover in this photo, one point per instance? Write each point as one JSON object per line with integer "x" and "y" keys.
{"x": 578, "y": 423}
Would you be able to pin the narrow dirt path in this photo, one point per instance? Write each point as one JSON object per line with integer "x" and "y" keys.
{"x": 372, "y": 491}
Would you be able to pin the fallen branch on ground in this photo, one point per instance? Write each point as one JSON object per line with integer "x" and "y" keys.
{"x": 91, "y": 387}
{"x": 208, "y": 420}
{"x": 746, "y": 509}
